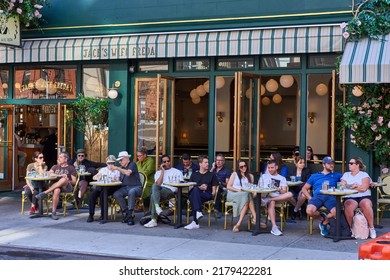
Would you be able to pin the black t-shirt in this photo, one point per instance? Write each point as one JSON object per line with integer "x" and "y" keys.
{"x": 208, "y": 178}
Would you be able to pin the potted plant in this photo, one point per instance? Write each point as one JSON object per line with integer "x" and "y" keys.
{"x": 89, "y": 115}
{"x": 28, "y": 11}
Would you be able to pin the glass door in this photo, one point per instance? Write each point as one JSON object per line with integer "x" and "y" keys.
{"x": 154, "y": 126}
{"x": 246, "y": 142}
{"x": 6, "y": 148}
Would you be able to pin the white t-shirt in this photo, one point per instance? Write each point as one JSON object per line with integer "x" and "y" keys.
{"x": 170, "y": 175}
{"x": 358, "y": 179}
{"x": 236, "y": 182}
{"x": 279, "y": 181}
{"x": 112, "y": 175}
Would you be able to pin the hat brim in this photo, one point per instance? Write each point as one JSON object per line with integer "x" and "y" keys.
{"x": 110, "y": 161}
{"x": 119, "y": 158}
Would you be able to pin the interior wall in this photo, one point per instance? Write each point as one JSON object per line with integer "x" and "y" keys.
{"x": 223, "y": 105}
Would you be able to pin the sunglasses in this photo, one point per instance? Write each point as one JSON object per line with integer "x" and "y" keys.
{"x": 165, "y": 161}
{"x": 40, "y": 157}
{"x": 81, "y": 155}
{"x": 242, "y": 166}
{"x": 351, "y": 163}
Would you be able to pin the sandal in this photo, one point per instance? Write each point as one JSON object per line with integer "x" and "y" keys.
{"x": 236, "y": 228}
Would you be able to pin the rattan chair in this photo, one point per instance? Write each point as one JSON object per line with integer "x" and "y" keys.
{"x": 383, "y": 199}
{"x": 207, "y": 207}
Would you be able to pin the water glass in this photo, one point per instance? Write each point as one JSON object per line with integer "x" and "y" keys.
{"x": 325, "y": 186}
{"x": 293, "y": 179}
{"x": 82, "y": 169}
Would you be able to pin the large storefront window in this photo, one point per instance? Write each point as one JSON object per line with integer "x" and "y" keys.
{"x": 95, "y": 80}
{"x": 4, "y": 74}
{"x": 45, "y": 82}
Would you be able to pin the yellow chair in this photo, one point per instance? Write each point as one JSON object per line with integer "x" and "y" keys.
{"x": 383, "y": 199}
{"x": 144, "y": 181}
{"x": 311, "y": 220}
{"x": 207, "y": 207}
{"x": 228, "y": 209}
{"x": 24, "y": 199}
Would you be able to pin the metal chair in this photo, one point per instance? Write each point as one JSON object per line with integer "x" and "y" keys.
{"x": 24, "y": 199}
{"x": 228, "y": 209}
{"x": 383, "y": 199}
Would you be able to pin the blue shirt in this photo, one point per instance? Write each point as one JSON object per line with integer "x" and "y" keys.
{"x": 222, "y": 175}
{"x": 317, "y": 179}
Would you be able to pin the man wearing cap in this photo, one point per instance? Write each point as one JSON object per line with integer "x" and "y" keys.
{"x": 131, "y": 186}
{"x": 110, "y": 174}
{"x": 90, "y": 167}
{"x": 318, "y": 200}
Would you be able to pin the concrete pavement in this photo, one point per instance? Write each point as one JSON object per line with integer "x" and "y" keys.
{"x": 73, "y": 234}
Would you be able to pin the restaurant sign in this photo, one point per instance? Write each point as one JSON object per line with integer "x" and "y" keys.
{"x": 9, "y": 30}
{"x": 118, "y": 52}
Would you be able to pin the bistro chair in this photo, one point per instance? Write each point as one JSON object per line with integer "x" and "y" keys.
{"x": 311, "y": 220}
{"x": 144, "y": 181}
{"x": 228, "y": 210}
{"x": 24, "y": 199}
{"x": 207, "y": 207}
{"x": 383, "y": 199}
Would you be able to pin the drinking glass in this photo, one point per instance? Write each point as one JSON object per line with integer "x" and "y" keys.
{"x": 292, "y": 179}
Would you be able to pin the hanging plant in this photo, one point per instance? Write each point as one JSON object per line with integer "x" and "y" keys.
{"x": 371, "y": 18}
{"x": 28, "y": 11}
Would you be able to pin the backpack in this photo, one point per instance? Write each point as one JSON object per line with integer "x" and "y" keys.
{"x": 359, "y": 226}
{"x": 160, "y": 219}
{"x": 345, "y": 231}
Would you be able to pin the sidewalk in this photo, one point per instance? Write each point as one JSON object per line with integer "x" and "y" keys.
{"x": 73, "y": 234}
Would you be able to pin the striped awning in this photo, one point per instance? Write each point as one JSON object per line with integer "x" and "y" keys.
{"x": 290, "y": 40}
{"x": 366, "y": 61}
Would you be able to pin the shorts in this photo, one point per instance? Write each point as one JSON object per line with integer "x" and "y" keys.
{"x": 329, "y": 201}
{"x": 67, "y": 189}
{"x": 358, "y": 199}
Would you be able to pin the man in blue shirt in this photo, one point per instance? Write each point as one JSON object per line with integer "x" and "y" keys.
{"x": 318, "y": 200}
{"x": 223, "y": 175}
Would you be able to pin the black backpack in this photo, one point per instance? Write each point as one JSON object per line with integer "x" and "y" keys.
{"x": 345, "y": 230}
{"x": 160, "y": 219}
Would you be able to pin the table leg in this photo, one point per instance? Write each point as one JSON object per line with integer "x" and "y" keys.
{"x": 105, "y": 206}
{"x": 258, "y": 229}
{"x": 178, "y": 210}
{"x": 338, "y": 221}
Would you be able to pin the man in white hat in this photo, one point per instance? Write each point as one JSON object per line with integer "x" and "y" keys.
{"x": 131, "y": 186}
{"x": 105, "y": 172}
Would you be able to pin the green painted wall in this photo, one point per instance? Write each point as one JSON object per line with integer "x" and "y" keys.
{"x": 75, "y": 17}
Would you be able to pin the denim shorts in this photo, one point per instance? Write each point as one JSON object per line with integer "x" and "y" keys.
{"x": 329, "y": 201}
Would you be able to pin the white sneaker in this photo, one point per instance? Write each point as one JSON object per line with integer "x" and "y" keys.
{"x": 152, "y": 223}
{"x": 275, "y": 231}
{"x": 159, "y": 211}
{"x": 372, "y": 233}
{"x": 199, "y": 215}
{"x": 193, "y": 225}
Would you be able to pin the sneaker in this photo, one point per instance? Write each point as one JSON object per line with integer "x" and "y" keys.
{"x": 131, "y": 221}
{"x": 152, "y": 223}
{"x": 372, "y": 233}
{"x": 193, "y": 225}
{"x": 275, "y": 231}
{"x": 158, "y": 211}
{"x": 323, "y": 229}
{"x": 41, "y": 195}
{"x": 54, "y": 216}
{"x": 90, "y": 218}
{"x": 199, "y": 215}
{"x": 36, "y": 208}
{"x": 32, "y": 210}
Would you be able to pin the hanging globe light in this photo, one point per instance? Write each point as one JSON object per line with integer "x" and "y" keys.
{"x": 262, "y": 90}
{"x": 286, "y": 81}
{"x": 196, "y": 100}
{"x": 200, "y": 90}
{"x": 277, "y": 98}
{"x": 248, "y": 93}
{"x": 220, "y": 82}
{"x": 266, "y": 101}
{"x": 272, "y": 85}
{"x": 40, "y": 84}
{"x": 321, "y": 89}
{"x": 193, "y": 94}
{"x": 357, "y": 91}
{"x": 206, "y": 86}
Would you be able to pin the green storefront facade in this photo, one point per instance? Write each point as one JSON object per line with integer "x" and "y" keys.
{"x": 180, "y": 45}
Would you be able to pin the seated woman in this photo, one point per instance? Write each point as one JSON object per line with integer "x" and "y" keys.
{"x": 282, "y": 168}
{"x": 30, "y": 189}
{"x": 310, "y": 156}
{"x": 358, "y": 179}
{"x": 241, "y": 200}
{"x": 301, "y": 173}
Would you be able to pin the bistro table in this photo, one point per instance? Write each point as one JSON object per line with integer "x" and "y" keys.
{"x": 104, "y": 186}
{"x": 41, "y": 179}
{"x": 294, "y": 184}
{"x": 180, "y": 187}
{"x": 259, "y": 192}
{"x": 338, "y": 194}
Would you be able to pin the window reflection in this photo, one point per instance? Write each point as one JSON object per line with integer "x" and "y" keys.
{"x": 4, "y": 84}
{"x": 45, "y": 82}
{"x": 95, "y": 81}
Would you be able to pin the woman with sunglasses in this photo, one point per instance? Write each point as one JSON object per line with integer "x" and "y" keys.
{"x": 241, "y": 200}
{"x": 357, "y": 179}
{"x": 38, "y": 166}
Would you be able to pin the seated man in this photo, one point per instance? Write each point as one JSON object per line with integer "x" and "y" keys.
{"x": 109, "y": 173}
{"x": 66, "y": 175}
{"x": 131, "y": 186}
{"x": 187, "y": 166}
{"x": 90, "y": 166}
{"x": 272, "y": 178}
{"x": 223, "y": 175}
{"x": 207, "y": 184}
{"x": 318, "y": 200}
{"x": 160, "y": 191}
